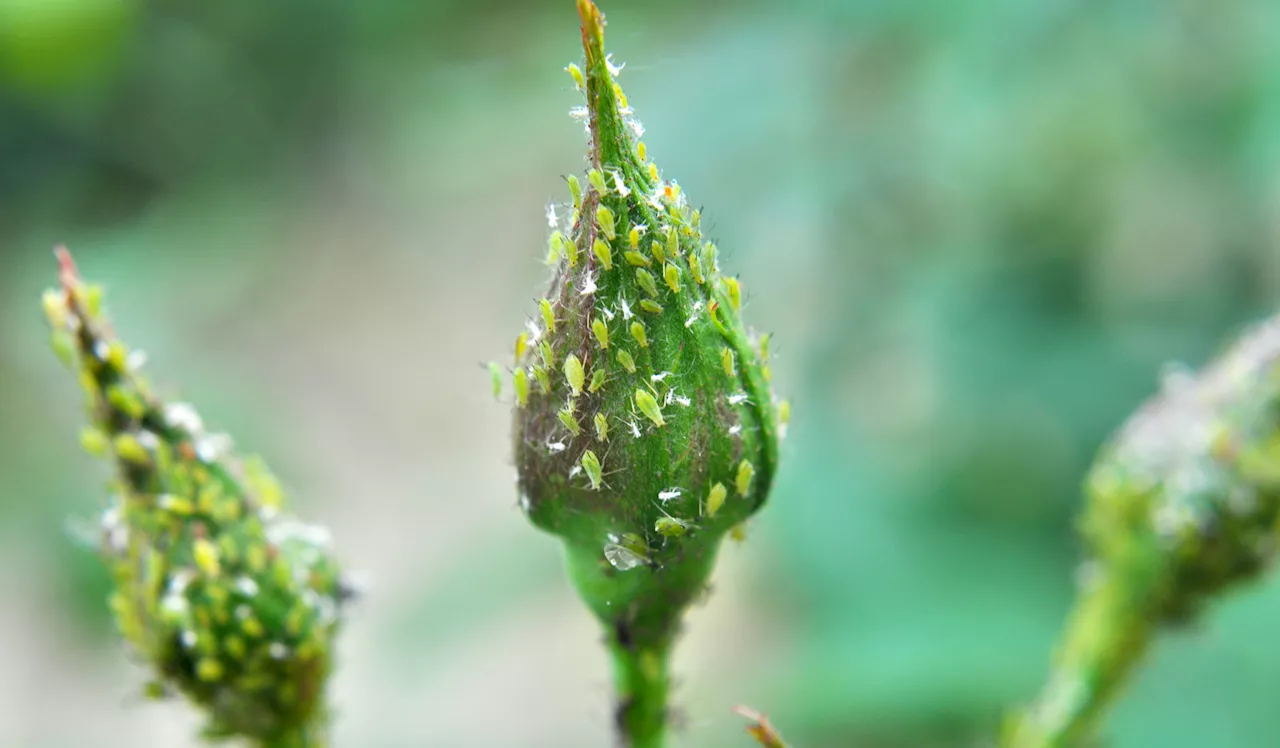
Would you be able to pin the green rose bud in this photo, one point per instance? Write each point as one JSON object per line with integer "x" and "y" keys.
{"x": 230, "y": 601}
{"x": 1182, "y": 505}
{"x": 653, "y": 432}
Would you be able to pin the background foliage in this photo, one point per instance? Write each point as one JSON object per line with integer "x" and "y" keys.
{"x": 978, "y": 229}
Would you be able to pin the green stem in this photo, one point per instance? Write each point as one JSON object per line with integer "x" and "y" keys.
{"x": 1109, "y": 630}
{"x": 640, "y": 681}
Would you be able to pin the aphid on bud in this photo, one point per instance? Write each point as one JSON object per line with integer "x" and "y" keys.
{"x": 709, "y": 258}
{"x": 555, "y": 247}
{"x": 544, "y": 379}
{"x": 763, "y": 346}
{"x": 597, "y": 380}
{"x": 495, "y": 374}
{"x": 655, "y": 249}
{"x": 548, "y": 315}
{"x": 591, "y": 466}
{"x": 641, "y": 151}
{"x": 627, "y": 361}
{"x": 601, "y": 331}
{"x": 637, "y": 332}
{"x": 602, "y": 427}
{"x": 646, "y": 281}
{"x": 522, "y": 345}
{"x": 548, "y": 355}
{"x": 576, "y": 73}
{"x": 746, "y": 471}
{"x": 733, "y": 290}
{"x": 570, "y": 252}
{"x": 715, "y": 500}
{"x": 670, "y": 527}
{"x": 671, "y": 274}
{"x": 569, "y": 420}
{"x": 649, "y": 407}
{"x": 604, "y": 217}
{"x": 520, "y": 383}
{"x": 129, "y": 449}
{"x": 651, "y": 306}
{"x": 695, "y": 269}
{"x": 633, "y": 238}
{"x": 635, "y": 258}
{"x": 575, "y": 190}
{"x": 574, "y": 374}
{"x": 726, "y": 360}
{"x": 653, "y": 172}
{"x": 673, "y": 242}
{"x": 597, "y": 180}
{"x": 603, "y": 253}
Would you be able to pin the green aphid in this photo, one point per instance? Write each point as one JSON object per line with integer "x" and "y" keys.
{"x": 569, "y": 420}
{"x": 601, "y": 331}
{"x": 495, "y": 374}
{"x": 733, "y": 290}
{"x": 637, "y": 332}
{"x": 548, "y": 314}
{"x": 715, "y": 500}
{"x": 671, "y": 274}
{"x": 597, "y": 180}
{"x": 670, "y": 527}
{"x": 544, "y": 379}
{"x": 129, "y": 449}
{"x": 571, "y": 252}
{"x": 764, "y": 347}
{"x": 709, "y": 258}
{"x": 627, "y": 361}
{"x": 727, "y": 361}
{"x": 575, "y": 190}
{"x": 603, "y": 253}
{"x": 646, "y": 281}
{"x": 695, "y": 269}
{"x": 520, "y": 383}
{"x": 658, "y": 254}
{"x": 635, "y": 258}
{"x": 604, "y": 217}
{"x": 648, "y": 405}
{"x": 548, "y": 354}
{"x": 555, "y": 247}
{"x": 651, "y": 306}
{"x": 94, "y": 441}
{"x": 673, "y": 242}
{"x": 591, "y": 466}
{"x": 574, "y": 374}
{"x": 602, "y": 427}
{"x": 746, "y": 471}
{"x": 784, "y": 412}
{"x": 597, "y": 380}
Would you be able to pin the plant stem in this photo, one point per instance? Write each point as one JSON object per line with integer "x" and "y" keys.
{"x": 1107, "y": 633}
{"x": 640, "y": 682}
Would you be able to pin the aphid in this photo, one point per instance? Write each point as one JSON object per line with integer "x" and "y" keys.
{"x": 520, "y": 383}
{"x": 130, "y": 449}
{"x": 633, "y": 238}
{"x": 622, "y": 98}
{"x": 767, "y": 373}
{"x": 715, "y": 500}
{"x": 671, "y": 274}
{"x": 746, "y": 471}
{"x": 641, "y": 151}
{"x": 627, "y": 361}
{"x": 709, "y": 258}
{"x": 205, "y": 554}
{"x": 726, "y": 360}
{"x": 673, "y": 242}
{"x": 784, "y": 416}
{"x": 635, "y": 258}
{"x": 588, "y": 286}
{"x": 495, "y": 374}
{"x": 597, "y": 380}
{"x": 569, "y": 420}
{"x": 555, "y": 247}
{"x": 548, "y": 315}
{"x": 656, "y": 250}
{"x": 597, "y": 180}
{"x": 522, "y": 345}
{"x": 637, "y": 332}
{"x": 695, "y": 269}
{"x": 669, "y": 494}
{"x": 646, "y": 281}
{"x": 733, "y": 290}
{"x": 764, "y": 347}
{"x": 575, "y": 190}
{"x": 571, "y": 252}
{"x": 591, "y": 466}
{"x": 544, "y": 379}
{"x": 603, "y": 253}
{"x": 576, "y": 73}
{"x": 634, "y": 428}
{"x": 653, "y": 172}
{"x": 649, "y": 407}
{"x": 574, "y": 374}
{"x": 601, "y": 331}
{"x": 651, "y": 306}
{"x": 548, "y": 354}
{"x": 712, "y": 310}
{"x": 602, "y": 427}
{"x": 670, "y": 527}
{"x": 604, "y": 217}
{"x": 626, "y": 308}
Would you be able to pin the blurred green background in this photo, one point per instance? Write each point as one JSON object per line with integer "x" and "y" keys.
{"x": 978, "y": 230}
